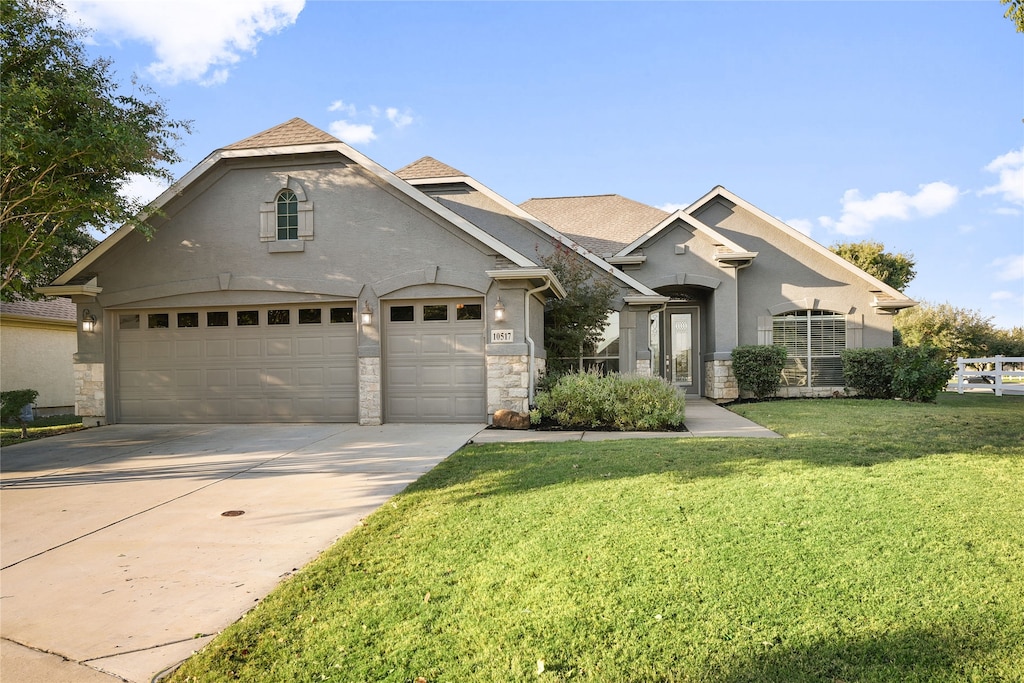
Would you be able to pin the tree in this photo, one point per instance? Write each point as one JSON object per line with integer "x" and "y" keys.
{"x": 68, "y": 144}
{"x": 1015, "y": 13}
{"x": 959, "y": 332}
{"x": 12, "y": 405}
{"x": 895, "y": 270}
{"x": 575, "y": 322}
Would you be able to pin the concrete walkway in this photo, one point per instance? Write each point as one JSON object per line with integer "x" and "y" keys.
{"x": 703, "y": 419}
{"x": 118, "y": 561}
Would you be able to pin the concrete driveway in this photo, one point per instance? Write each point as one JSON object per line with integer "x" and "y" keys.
{"x": 116, "y": 553}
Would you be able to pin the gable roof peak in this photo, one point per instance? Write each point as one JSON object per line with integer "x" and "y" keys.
{"x": 295, "y": 131}
{"x": 427, "y": 167}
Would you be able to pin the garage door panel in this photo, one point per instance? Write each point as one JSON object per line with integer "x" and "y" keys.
{"x": 469, "y": 376}
{"x": 434, "y": 344}
{"x": 433, "y": 376}
{"x": 285, "y": 373}
{"x": 469, "y": 408}
{"x": 469, "y": 343}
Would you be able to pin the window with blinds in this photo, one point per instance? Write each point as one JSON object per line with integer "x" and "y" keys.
{"x": 814, "y": 341}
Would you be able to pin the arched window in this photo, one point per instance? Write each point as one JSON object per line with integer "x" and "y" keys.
{"x": 814, "y": 341}
{"x": 287, "y": 215}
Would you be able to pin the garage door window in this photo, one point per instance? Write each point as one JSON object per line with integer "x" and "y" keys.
{"x": 217, "y": 319}
{"x": 278, "y": 316}
{"x": 243, "y": 318}
{"x": 188, "y": 320}
{"x": 128, "y": 321}
{"x": 402, "y": 314}
{"x": 159, "y": 321}
{"x": 469, "y": 312}
{"x": 341, "y": 315}
{"x": 435, "y": 312}
{"x": 309, "y": 316}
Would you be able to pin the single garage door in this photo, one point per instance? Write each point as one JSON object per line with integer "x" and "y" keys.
{"x": 284, "y": 363}
{"x": 434, "y": 361}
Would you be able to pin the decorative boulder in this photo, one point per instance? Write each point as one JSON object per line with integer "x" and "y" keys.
{"x": 510, "y": 419}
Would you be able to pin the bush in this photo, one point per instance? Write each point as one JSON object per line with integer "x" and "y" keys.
{"x": 626, "y": 402}
{"x": 869, "y": 371}
{"x": 920, "y": 372}
{"x": 11, "y": 405}
{"x": 759, "y": 368}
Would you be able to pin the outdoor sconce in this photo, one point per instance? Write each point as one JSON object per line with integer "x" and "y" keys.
{"x": 367, "y": 314}
{"x": 88, "y": 321}
{"x": 499, "y": 311}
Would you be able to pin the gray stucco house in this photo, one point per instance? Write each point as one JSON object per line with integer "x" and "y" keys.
{"x": 290, "y": 278}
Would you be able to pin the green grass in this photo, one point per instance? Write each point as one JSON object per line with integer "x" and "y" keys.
{"x": 879, "y": 541}
{"x": 40, "y": 428}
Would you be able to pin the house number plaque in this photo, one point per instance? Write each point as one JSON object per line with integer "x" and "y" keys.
{"x": 501, "y": 336}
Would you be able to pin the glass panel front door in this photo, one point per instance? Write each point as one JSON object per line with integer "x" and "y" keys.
{"x": 681, "y": 345}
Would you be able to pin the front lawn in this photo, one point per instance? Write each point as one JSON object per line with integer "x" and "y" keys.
{"x": 39, "y": 428}
{"x": 879, "y": 541}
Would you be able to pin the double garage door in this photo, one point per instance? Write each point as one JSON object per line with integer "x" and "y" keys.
{"x": 247, "y": 364}
{"x": 297, "y": 363}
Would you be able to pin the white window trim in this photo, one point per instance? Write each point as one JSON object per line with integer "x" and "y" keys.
{"x": 268, "y": 220}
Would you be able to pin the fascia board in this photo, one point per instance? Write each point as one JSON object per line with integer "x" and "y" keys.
{"x": 524, "y": 215}
{"x": 876, "y": 284}
{"x": 209, "y": 162}
{"x": 87, "y": 289}
{"x": 646, "y": 300}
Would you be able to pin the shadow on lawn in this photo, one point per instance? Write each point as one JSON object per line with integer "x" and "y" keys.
{"x": 951, "y": 651}
{"x": 510, "y": 468}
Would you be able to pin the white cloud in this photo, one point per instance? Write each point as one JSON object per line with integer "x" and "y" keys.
{"x": 860, "y": 215}
{"x": 1002, "y": 295}
{"x": 193, "y": 40}
{"x": 671, "y": 208}
{"x": 1009, "y": 267}
{"x": 339, "y": 105}
{"x": 801, "y": 225}
{"x": 966, "y": 229}
{"x": 1010, "y": 167}
{"x": 352, "y": 133}
{"x": 399, "y": 119}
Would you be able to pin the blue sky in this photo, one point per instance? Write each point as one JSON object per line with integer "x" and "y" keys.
{"x": 899, "y": 122}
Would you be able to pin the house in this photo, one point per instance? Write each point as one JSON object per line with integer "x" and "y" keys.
{"x": 291, "y": 278}
{"x": 37, "y": 342}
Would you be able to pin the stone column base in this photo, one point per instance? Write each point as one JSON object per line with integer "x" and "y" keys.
{"x": 508, "y": 383}
{"x": 369, "y": 391}
{"x": 90, "y": 394}
{"x": 719, "y": 381}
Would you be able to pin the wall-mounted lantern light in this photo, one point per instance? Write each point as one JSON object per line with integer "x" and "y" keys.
{"x": 499, "y": 311}
{"x": 367, "y": 314}
{"x": 88, "y": 321}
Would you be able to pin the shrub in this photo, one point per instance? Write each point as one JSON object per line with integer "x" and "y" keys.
{"x": 627, "y": 402}
{"x": 869, "y": 371}
{"x": 759, "y": 368}
{"x": 11, "y": 405}
{"x": 920, "y": 372}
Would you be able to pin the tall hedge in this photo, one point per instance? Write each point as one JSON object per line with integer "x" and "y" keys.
{"x": 909, "y": 373}
{"x": 759, "y": 368}
{"x": 869, "y": 371}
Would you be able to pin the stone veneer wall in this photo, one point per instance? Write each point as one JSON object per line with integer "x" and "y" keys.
{"x": 643, "y": 367}
{"x": 369, "y": 391}
{"x": 720, "y": 382}
{"x": 508, "y": 382}
{"x": 90, "y": 394}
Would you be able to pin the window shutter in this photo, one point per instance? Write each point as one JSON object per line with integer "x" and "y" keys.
{"x": 305, "y": 220}
{"x": 855, "y": 331}
{"x": 268, "y": 221}
{"x": 764, "y": 330}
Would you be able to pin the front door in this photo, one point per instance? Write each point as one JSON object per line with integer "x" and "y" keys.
{"x": 676, "y": 333}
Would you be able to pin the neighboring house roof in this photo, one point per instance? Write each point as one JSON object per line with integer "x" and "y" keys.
{"x": 428, "y": 167}
{"x": 887, "y": 298}
{"x": 292, "y": 137}
{"x": 447, "y": 175}
{"x": 604, "y": 224}
{"x": 46, "y": 309}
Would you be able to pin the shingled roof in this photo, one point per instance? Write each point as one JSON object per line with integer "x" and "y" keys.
{"x": 292, "y": 132}
{"x": 427, "y": 167}
{"x": 46, "y": 309}
{"x": 604, "y": 224}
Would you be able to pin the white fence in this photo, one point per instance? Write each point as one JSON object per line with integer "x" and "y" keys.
{"x": 992, "y": 377}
